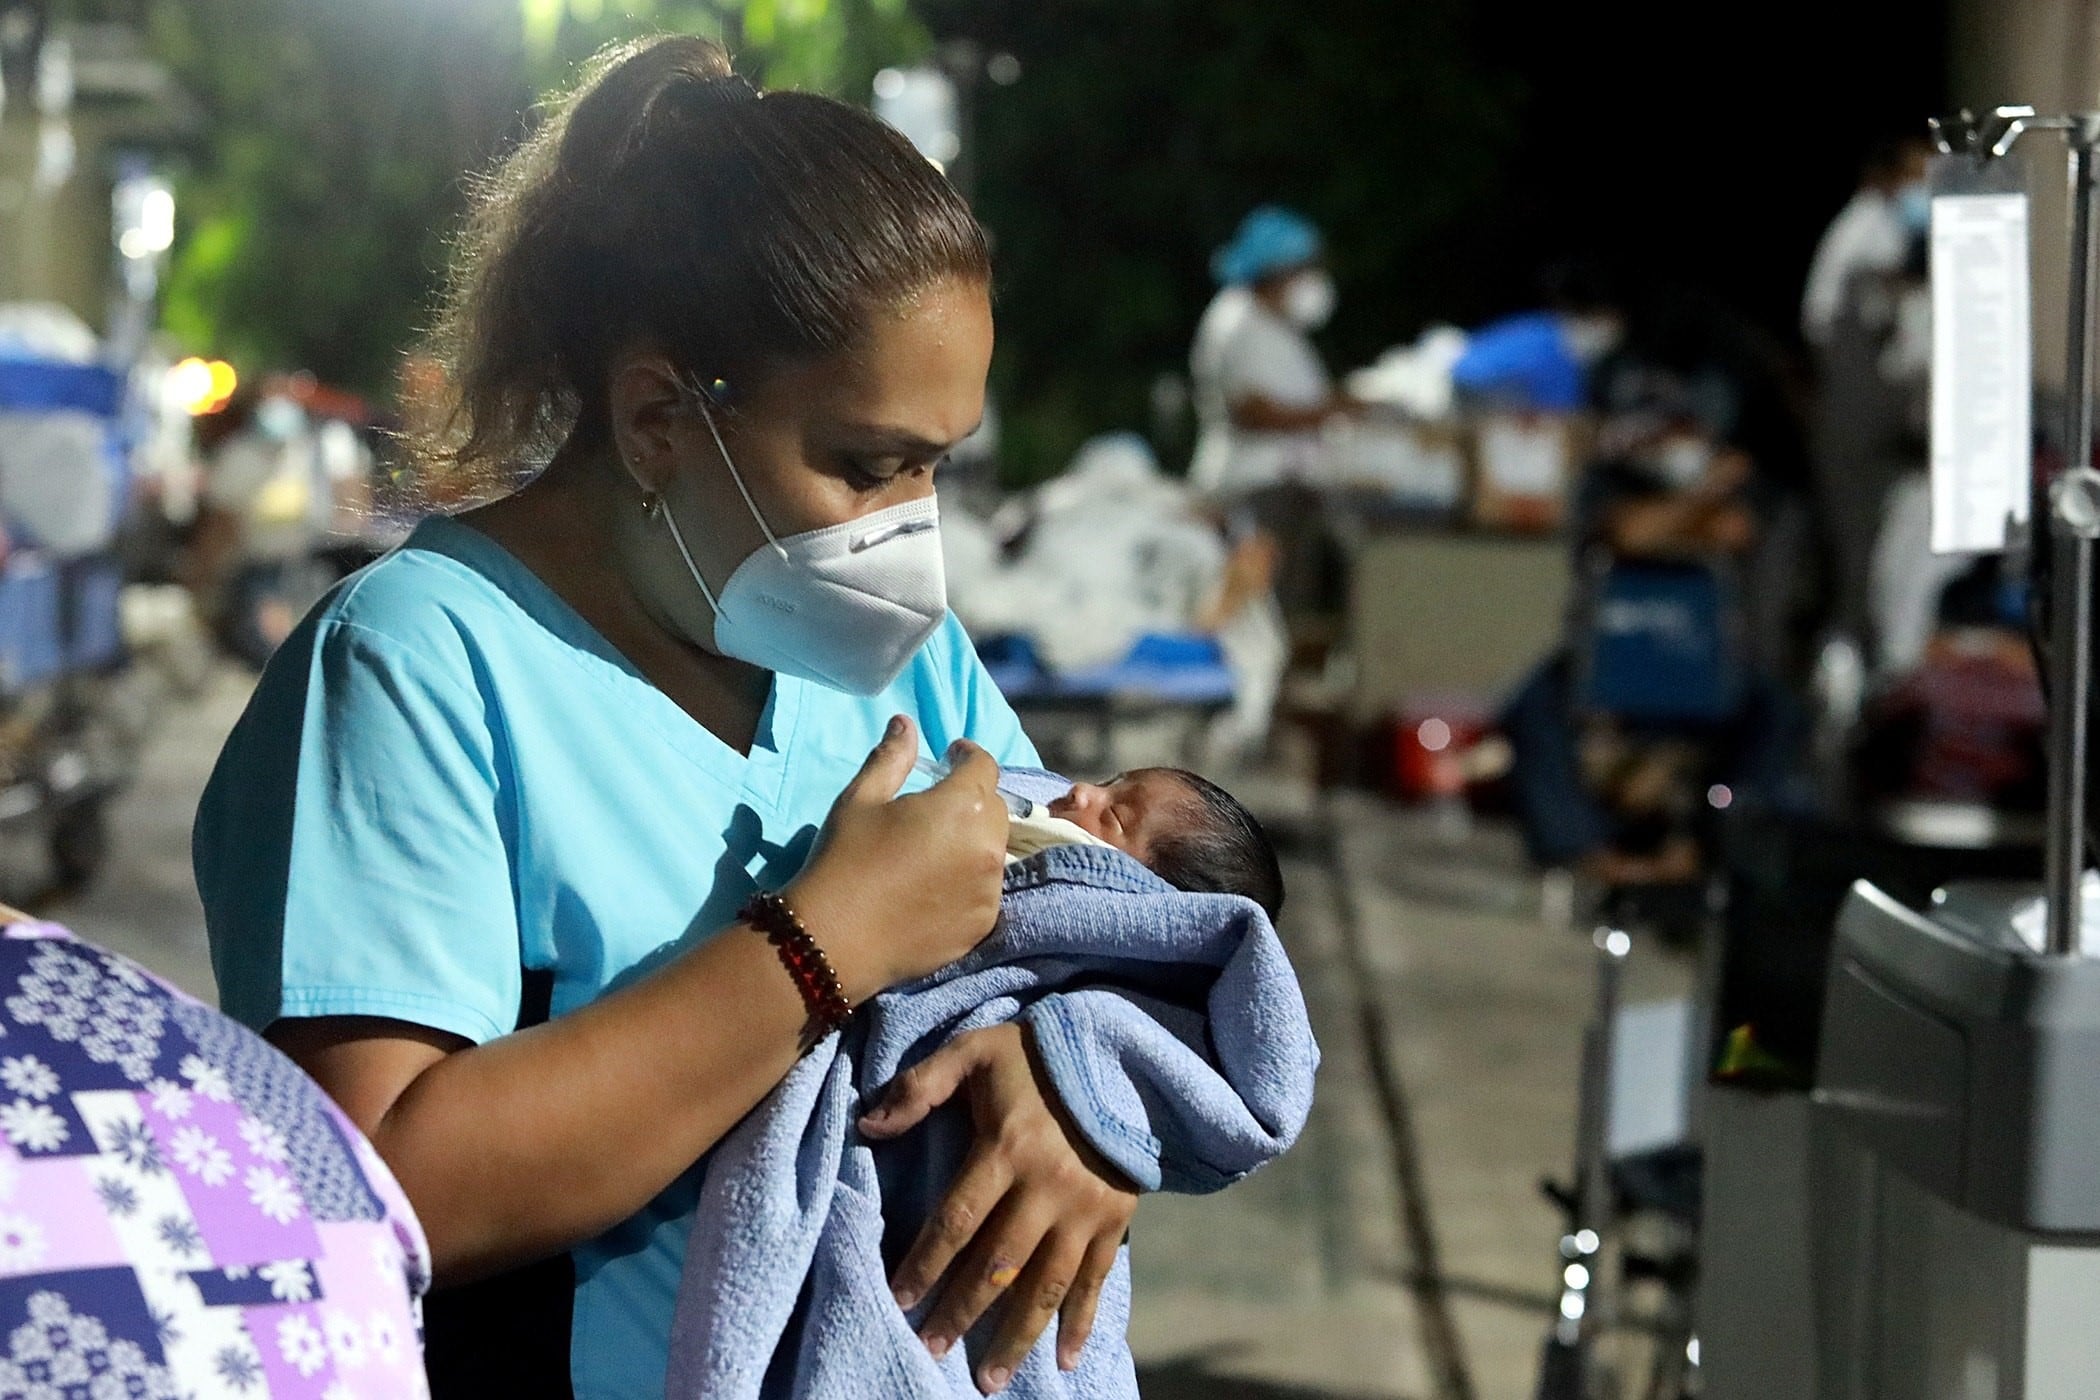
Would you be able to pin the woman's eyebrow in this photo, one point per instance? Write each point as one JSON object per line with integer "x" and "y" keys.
{"x": 901, "y": 441}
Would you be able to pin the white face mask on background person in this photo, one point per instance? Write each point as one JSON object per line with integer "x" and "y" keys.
{"x": 846, "y": 606}
{"x": 1590, "y": 338}
{"x": 1682, "y": 461}
{"x": 1308, "y": 300}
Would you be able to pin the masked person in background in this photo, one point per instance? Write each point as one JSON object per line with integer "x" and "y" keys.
{"x": 1872, "y": 234}
{"x": 1621, "y": 803}
{"x": 1262, "y": 394}
{"x": 1261, "y": 389}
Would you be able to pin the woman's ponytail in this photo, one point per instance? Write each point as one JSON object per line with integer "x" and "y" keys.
{"x": 666, "y": 201}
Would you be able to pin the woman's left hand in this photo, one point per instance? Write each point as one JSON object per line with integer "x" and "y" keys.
{"x": 1035, "y": 1213}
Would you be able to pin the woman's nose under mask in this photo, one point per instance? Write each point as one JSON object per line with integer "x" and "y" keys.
{"x": 846, "y": 605}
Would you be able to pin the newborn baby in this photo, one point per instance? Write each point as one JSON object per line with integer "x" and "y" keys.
{"x": 1186, "y": 829}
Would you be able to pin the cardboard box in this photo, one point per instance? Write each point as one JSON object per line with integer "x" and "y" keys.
{"x": 1525, "y": 467}
{"x": 1420, "y": 466}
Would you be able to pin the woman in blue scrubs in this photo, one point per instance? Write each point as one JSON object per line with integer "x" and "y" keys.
{"x": 481, "y": 855}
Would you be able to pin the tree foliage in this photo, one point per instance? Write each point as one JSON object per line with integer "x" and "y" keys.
{"x": 1140, "y": 131}
{"x": 338, "y": 137}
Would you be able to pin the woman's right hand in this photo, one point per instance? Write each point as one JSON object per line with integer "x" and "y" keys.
{"x": 899, "y": 886}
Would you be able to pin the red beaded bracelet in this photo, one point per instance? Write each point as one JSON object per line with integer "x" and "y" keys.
{"x": 805, "y": 962}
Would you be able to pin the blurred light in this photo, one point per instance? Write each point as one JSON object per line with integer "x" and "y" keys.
{"x": 1571, "y": 1306}
{"x": 1617, "y": 944}
{"x": 1691, "y": 1351}
{"x": 1576, "y": 1276}
{"x": 1587, "y": 1241}
{"x": 199, "y": 387}
{"x": 142, "y": 207}
{"x": 54, "y": 78}
{"x": 1720, "y": 797}
{"x": 1434, "y": 734}
{"x": 1003, "y": 69}
{"x": 922, "y": 103}
{"x": 189, "y": 381}
{"x": 56, "y": 154}
{"x": 157, "y": 219}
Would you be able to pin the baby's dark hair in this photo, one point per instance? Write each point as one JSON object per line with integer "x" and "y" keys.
{"x": 1223, "y": 851}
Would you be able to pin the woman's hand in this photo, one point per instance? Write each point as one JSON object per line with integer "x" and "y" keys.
{"x": 1035, "y": 1213}
{"x": 899, "y": 886}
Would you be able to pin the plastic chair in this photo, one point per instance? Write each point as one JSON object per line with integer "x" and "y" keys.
{"x": 1662, "y": 643}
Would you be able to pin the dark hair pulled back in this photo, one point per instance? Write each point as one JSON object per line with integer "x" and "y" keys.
{"x": 667, "y": 202}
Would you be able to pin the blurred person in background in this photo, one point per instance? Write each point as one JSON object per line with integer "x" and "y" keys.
{"x": 1873, "y": 360}
{"x": 1261, "y": 394}
{"x": 1688, "y": 358}
{"x": 1543, "y": 361}
{"x": 268, "y": 499}
{"x": 1872, "y": 234}
{"x": 1261, "y": 388}
{"x": 1615, "y": 801}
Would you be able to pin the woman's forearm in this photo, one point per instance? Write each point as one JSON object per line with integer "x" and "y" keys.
{"x": 516, "y": 1149}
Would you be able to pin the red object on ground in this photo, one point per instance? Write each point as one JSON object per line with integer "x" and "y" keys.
{"x": 1431, "y": 737}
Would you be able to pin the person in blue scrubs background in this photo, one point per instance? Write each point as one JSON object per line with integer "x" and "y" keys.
{"x": 476, "y": 854}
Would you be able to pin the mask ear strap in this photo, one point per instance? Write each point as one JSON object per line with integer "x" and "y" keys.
{"x": 700, "y": 398}
{"x": 656, "y": 506}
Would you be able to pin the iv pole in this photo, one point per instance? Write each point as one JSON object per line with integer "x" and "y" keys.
{"x": 2073, "y": 504}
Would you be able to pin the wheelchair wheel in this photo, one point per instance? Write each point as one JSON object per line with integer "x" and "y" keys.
{"x": 79, "y": 843}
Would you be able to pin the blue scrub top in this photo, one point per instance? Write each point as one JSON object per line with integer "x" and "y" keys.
{"x": 446, "y": 775}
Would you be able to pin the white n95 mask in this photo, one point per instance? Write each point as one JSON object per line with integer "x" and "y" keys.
{"x": 1308, "y": 300}
{"x": 847, "y": 606}
{"x": 1682, "y": 462}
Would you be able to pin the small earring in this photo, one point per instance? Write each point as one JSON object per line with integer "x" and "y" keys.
{"x": 652, "y": 504}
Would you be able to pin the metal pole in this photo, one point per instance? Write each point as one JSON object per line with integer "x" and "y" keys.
{"x": 1566, "y": 1374}
{"x": 2072, "y": 605}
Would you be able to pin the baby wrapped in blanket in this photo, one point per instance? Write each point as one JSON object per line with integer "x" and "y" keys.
{"x": 1179, "y": 825}
{"x": 1167, "y": 1019}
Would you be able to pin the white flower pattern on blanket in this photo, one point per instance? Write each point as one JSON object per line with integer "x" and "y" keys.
{"x": 158, "y": 1237}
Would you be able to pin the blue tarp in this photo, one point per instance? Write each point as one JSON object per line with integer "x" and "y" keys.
{"x": 1524, "y": 362}
{"x": 27, "y": 385}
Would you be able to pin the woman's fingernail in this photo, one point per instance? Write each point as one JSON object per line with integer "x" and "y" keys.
{"x": 1068, "y": 1361}
{"x": 906, "y": 1298}
{"x": 995, "y": 1379}
{"x": 896, "y": 729}
{"x": 938, "y": 1345}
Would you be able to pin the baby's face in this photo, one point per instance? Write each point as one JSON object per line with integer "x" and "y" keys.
{"x": 1132, "y": 812}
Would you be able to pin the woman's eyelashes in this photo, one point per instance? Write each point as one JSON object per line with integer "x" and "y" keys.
{"x": 871, "y": 474}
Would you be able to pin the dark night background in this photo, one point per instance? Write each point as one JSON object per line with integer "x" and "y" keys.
{"x": 1451, "y": 148}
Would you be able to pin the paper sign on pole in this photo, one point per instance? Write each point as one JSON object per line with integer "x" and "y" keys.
{"x": 1982, "y": 370}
